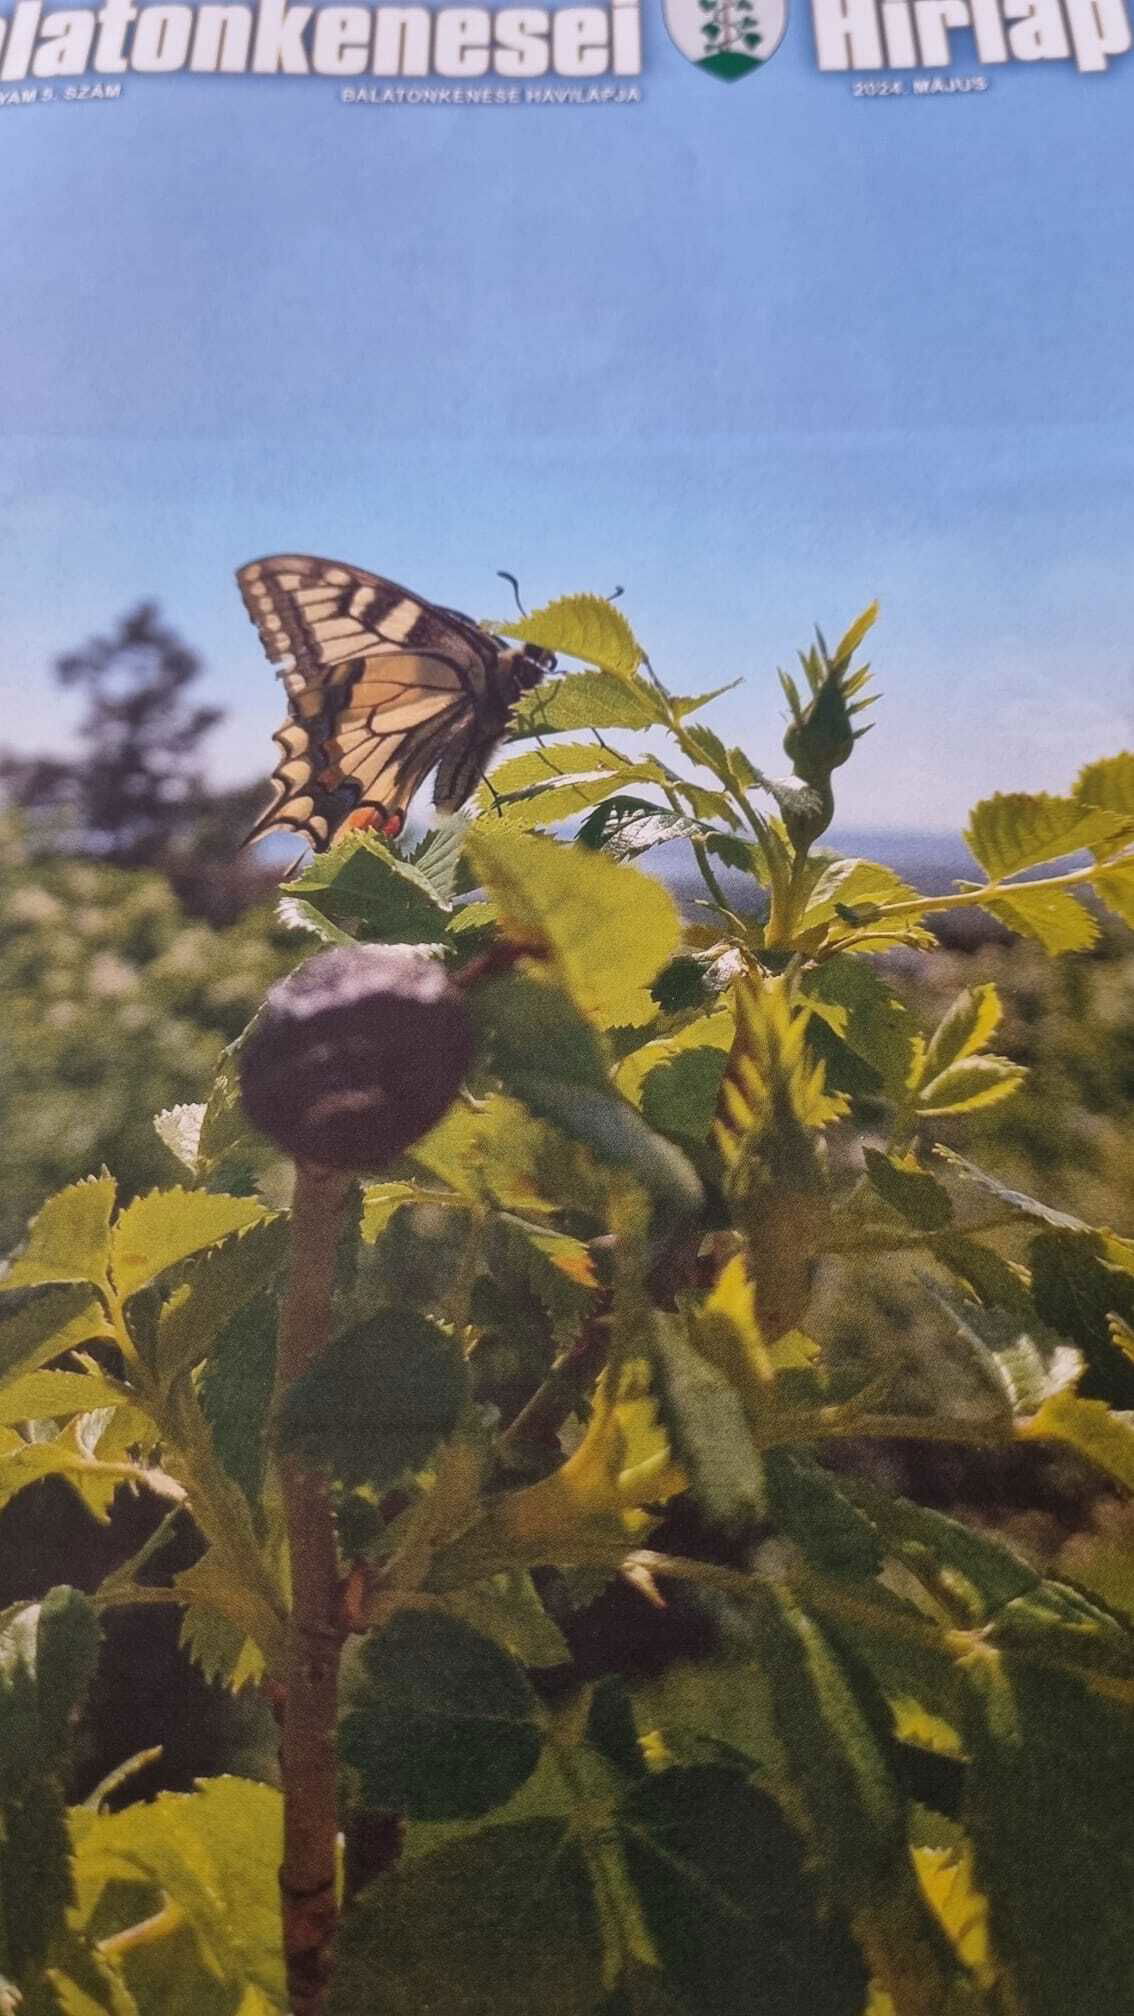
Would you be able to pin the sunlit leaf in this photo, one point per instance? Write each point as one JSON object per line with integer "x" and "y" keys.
{"x": 1016, "y": 830}
{"x": 582, "y": 626}
{"x": 158, "y": 1230}
{"x": 605, "y": 930}
{"x": 69, "y": 1239}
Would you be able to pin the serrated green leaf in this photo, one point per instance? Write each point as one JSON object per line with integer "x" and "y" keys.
{"x": 809, "y": 1509}
{"x": 215, "y": 1854}
{"x": 42, "y": 1396}
{"x": 707, "y": 1430}
{"x": 1054, "y": 916}
{"x": 444, "y": 1725}
{"x": 220, "y": 1650}
{"x": 965, "y": 1028}
{"x": 875, "y": 1026}
{"x": 235, "y": 1392}
{"x": 1018, "y": 1201}
{"x": 605, "y": 929}
{"x": 47, "y": 1658}
{"x": 68, "y": 1239}
{"x": 555, "y": 1267}
{"x": 582, "y": 626}
{"x": 1076, "y": 1291}
{"x": 438, "y": 857}
{"x": 381, "y": 1200}
{"x": 714, "y": 1031}
{"x": 378, "y": 1401}
{"x": 919, "y": 1197}
{"x": 214, "y": 1288}
{"x": 1015, "y": 830}
{"x": 625, "y": 826}
{"x": 164, "y": 1227}
{"x": 971, "y": 1085}
{"x": 585, "y": 700}
{"x": 981, "y": 1576}
{"x": 95, "y": 1482}
{"x": 853, "y": 885}
{"x": 551, "y": 803}
{"x": 725, "y": 1897}
{"x": 552, "y": 763}
{"x": 501, "y": 1923}
{"x": 1108, "y": 784}
{"x": 48, "y": 1325}
{"x": 371, "y": 894}
{"x": 1114, "y": 886}
{"x": 507, "y": 1609}
{"x": 1047, "y": 1806}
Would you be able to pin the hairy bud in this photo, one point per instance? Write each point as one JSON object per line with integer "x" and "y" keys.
{"x": 356, "y": 1055}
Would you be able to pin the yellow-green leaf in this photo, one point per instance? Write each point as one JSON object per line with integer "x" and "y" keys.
{"x": 1017, "y": 829}
{"x": 69, "y": 1239}
{"x": 965, "y": 1087}
{"x": 853, "y": 886}
{"x": 62, "y": 1320}
{"x": 549, "y": 765}
{"x": 582, "y": 626}
{"x": 43, "y": 1396}
{"x": 545, "y": 807}
{"x": 1104, "y": 1437}
{"x": 709, "y": 1032}
{"x": 166, "y": 1226}
{"x": 606, "y": 930}
{"x": 1115, "y": 887}
{"x": 1108, "y": 784}
{"x": 588, "y": 700}
{"x": 381, "y": 1200}
{"x": 848, "y": 644}
{"x": 1054, "y": 916}
{"x": 969, "y": 1022}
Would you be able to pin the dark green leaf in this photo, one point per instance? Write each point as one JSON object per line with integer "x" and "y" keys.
{"x": 379, "y": 1401}
{"x": 1074, "y": 1291}
{"x": 444, "y": 1725}
{"x": 502, "y": 1923}
{"x": 735, "y": 1919}
{"x": 808, "y": 1507}
{"x": 235, "y": 1393}
{"x": 1048, "y": 1807}
{"x": 919, "y": 1198}
{"x": 708, "y": 1430}
{"x": 370, "y": 893}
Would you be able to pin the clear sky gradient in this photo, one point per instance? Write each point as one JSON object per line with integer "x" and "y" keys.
{"x": 757, "y": 351}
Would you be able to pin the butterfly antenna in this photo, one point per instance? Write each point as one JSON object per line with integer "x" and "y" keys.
{"x": 615, "y": 593}
{"x": 503, "y": 575}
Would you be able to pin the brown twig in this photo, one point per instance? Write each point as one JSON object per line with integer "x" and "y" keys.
{"x": 315, "y": 1636}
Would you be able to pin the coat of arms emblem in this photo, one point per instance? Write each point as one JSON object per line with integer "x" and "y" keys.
{"x": 728, "y": 38}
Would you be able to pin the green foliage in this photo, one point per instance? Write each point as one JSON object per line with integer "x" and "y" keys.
{"x": 117, "y": 1005}
{"x": 726, "y": 1206}
{"x": 378, "y": 1402}
{"x": 444, "y": 1724}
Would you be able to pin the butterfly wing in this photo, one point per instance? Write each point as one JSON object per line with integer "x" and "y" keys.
{"x": 381, "y": 687}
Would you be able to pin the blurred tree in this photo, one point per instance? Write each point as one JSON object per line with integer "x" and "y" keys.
{"x": 135, "y": 794}
{"x": 136, "y": 783}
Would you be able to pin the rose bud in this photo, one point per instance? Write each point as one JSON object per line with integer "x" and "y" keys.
{"x": 355, "y": 1055}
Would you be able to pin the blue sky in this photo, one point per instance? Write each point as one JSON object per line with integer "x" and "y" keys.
{"x": 757, "y": 351}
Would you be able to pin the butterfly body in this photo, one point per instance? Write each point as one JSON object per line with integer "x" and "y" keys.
{"x": 382, "y": 688}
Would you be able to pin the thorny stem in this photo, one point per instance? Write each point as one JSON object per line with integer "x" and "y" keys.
{"x": 315, "y": 1637}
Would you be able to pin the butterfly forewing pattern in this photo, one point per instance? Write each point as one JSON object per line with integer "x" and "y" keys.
{"x": 382, "y": 688}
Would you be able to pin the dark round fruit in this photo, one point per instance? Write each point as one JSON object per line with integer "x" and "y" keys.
{"x": 356, "y": 1055}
